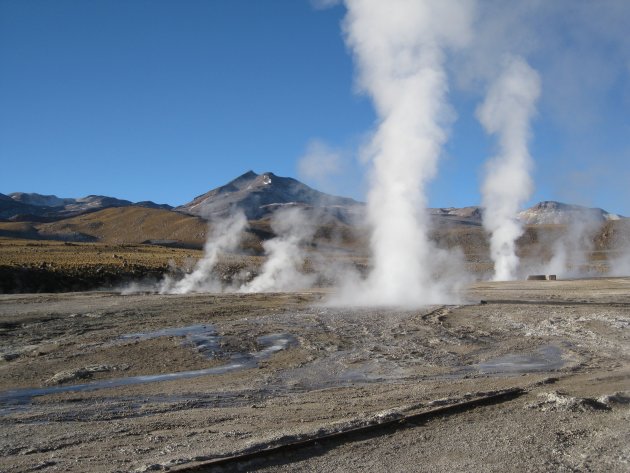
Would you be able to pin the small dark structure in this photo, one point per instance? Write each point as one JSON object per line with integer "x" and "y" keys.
{"x": 541, "y": 277}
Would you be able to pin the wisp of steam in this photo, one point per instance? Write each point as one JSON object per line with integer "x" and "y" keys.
{"x": 400, "y": 49}
{"x": 506, "y": 112}
{"x": 285, "y": 255}
{"x": 224, "y": 237}
{"x": 571, "y": 252}
{"x": 282, "y": 271}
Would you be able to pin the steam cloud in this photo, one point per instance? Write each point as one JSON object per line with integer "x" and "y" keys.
{"x": 571, "y": 252}
{"x": 320, "y": 163}
{"x": 399, "y": 47}
{"x": 282, "y": 270}
{"x": 506, "y": 112}
{"x": 224, "y": 237}
{"x": 620, "y": 266}
{"x": 620, "y": 262}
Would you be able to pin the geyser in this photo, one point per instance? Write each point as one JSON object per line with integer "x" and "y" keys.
{"x": 506, "y": 112}
{"x": 399, "y": 47}
{"x": 224, "y": 237}
{"x": 285, "y": 254}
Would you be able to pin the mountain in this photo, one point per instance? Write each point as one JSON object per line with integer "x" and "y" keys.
{"x": 551, "y": 212}
{"x": 259, "y": 195}
{"x": 543, "y": 213}
{"x": 22, "y": 206}
{"x": 465, "y": 215}
{"x": 149, "y": 204}
{"x": 40, "y": 200}
{"x": 14, "y": 210}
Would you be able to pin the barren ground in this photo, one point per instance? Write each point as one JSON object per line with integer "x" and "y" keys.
{"x": 252, "y": 371}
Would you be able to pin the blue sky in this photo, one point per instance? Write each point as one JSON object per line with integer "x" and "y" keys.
{"x": 164, "y": 100}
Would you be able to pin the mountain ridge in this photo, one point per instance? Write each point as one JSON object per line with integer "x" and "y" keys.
{"x": 31, "y": 206}
{"x": 260, "y": 195}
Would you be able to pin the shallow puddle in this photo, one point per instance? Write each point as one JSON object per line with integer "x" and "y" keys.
{"x": 202, "y": 337}
{"x": 546, "y": 358}
{"x": 272, "y": 343}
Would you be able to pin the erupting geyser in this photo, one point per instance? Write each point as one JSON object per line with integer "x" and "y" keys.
{"x": 400, "y": 48}
{"x": 506, "y": 112}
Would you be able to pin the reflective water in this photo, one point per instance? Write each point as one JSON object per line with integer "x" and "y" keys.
{"x": 271, "y": 343}
{"x": 202, "y": 337}
{"x": 545, "y": 358}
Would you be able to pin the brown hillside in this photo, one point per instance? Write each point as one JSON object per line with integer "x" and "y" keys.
{"x": 18, "y": 230}
{"x": 129, "y": 225}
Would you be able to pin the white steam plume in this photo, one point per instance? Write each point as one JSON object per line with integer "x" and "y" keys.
{"x": 506, "y": 112}
{"x": 620, "y": 264}
{"x": 619, "y": 259}
{"x": 572, "y": 251}
{"x": 224, "y": 237}
{"x": 282, "y": 270}
{"x": 319, "y": 164}
{"x": 399, "y": 47}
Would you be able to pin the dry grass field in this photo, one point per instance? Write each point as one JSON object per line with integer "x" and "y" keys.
{"x": 51, "y": 266}
{"x": 70, "y": 255}
{"x": 113, "y": 246}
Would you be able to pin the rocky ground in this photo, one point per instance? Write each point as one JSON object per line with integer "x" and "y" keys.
{"x": 104, "y": 382}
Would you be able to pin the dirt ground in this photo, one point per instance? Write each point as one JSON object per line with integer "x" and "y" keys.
{"x": 99, "y": 381}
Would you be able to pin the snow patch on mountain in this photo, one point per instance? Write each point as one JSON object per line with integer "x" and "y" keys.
{"x": 551, "y": 212}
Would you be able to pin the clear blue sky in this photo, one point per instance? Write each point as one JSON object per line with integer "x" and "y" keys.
{"x": 164, "y": 100}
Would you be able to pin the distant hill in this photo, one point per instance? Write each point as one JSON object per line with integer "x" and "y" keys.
{"x": 128, "y": 225}
{"x": 40, "y": 200}
{"x": 259, "y": 195}
{"x": 131, "y": 225}
{"x": 543, "y": 213}
{"x": 22, "y": 206}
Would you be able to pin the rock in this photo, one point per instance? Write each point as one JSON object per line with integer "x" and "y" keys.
{"x": 44, "y": 464}
{"x": 45, "y": 349}
{"x": 617, "y": 398}
{"x": 9, "y": 356}
{"x": 151, "y": 467}
{"x": 558, "y": 401}
{"x": 69, "y": 375}
{"x": 99, "y": 368}
{"x": 84, "y": 372}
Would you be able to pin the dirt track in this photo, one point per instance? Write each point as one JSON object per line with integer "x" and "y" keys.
{"x": 324, "y": 369}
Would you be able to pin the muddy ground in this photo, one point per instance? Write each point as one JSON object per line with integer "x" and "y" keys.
{"x": 104, "y": 382}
